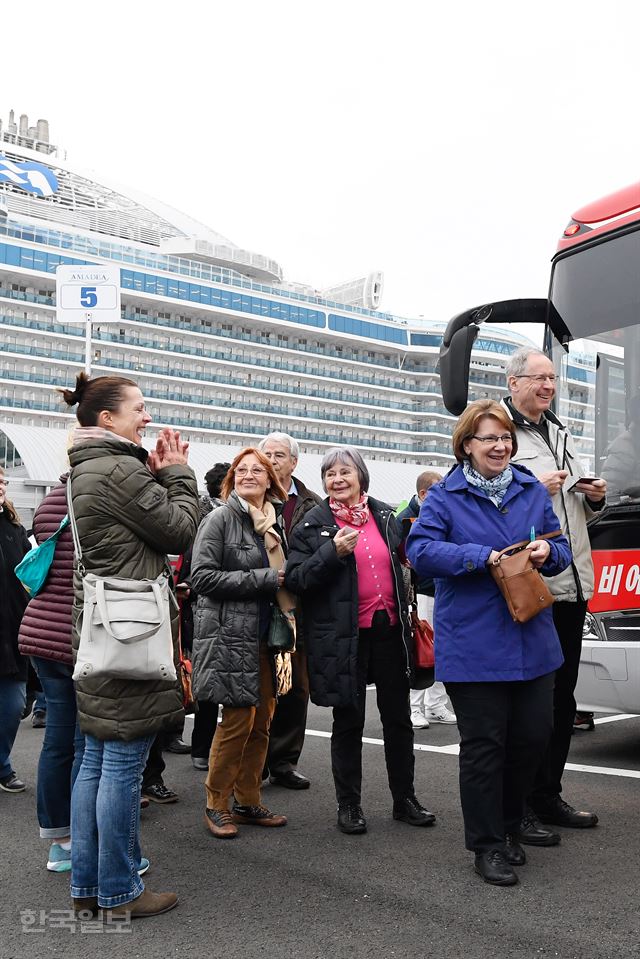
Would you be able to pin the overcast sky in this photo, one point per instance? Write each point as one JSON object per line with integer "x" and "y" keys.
{"x": 445, "y": 144}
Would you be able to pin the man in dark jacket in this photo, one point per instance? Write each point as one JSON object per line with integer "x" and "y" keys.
{"x": 286, "y": 737}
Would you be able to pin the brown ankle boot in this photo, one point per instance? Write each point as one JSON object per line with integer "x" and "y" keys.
{"x": 85, "y": 905}
{"x": 147, "y": 904}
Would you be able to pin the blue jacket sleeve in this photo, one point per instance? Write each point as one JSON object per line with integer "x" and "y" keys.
{"x": 428, "y": 549}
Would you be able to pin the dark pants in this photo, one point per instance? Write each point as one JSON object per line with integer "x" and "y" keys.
{"x": 504, "y": 729}
{"x": 12, "y": 700}
{"x": 155, "y": 764}
{"x": 569, "y": 620}
{"x": 381, "y": 660}
{"x": 62, "y": 749}
{"x": 289, "y": 722}
{"x": 205, "y": 721}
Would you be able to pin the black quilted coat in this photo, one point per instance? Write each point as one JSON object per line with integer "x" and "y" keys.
{"x": 231, "y": 578}
{"x": 328, "y": 587}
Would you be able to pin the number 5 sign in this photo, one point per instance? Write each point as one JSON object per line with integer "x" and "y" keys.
{"x": 82, "y": 290}
{"x": 88, "y": 294}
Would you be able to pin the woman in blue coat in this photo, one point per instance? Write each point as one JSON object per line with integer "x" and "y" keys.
{"x": 498, "y": 673}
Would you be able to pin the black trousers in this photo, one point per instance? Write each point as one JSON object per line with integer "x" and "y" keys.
{"x": 152, "y": 775}
{"x": 569, "y": 621}
{"x": 286, "y": 735}
{"x": 205, "y": 722}
{"x": 504, "y": 730}
{"x": 381, "y": 660}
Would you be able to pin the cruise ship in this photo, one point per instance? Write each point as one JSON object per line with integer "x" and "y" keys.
{"x": 222, "y": 346}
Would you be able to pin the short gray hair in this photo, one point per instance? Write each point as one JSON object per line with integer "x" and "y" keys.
{"x": 518, "y": 361}
{"x": 294, "y": 449}
{"x": 350, "y": 456}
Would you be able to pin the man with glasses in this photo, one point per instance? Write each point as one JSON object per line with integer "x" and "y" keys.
{"x": 546, "y": 447}
{"x": 286, "y": 737}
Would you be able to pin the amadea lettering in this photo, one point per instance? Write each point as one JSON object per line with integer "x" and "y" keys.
{"x": 86, "y": 277}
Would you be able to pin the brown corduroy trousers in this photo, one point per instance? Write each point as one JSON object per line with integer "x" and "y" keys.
{"x": 240, "y": 745}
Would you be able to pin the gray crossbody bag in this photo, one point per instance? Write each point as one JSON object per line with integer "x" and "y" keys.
{"x": 126, "y": 624}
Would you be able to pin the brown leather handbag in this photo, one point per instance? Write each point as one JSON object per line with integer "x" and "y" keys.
{"x": 521, "y": 584}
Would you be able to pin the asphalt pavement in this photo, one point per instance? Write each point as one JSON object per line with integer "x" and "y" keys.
{"x": 308, "y": 892}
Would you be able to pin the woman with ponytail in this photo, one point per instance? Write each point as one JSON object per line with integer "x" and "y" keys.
{"x": 131, "y": 509}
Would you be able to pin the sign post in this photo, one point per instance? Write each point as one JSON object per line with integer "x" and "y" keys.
{"x": 88, "y": 294}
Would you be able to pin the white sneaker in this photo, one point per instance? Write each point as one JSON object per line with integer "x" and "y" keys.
{"x": 419, "y": 720}
{"x": 441, "y": 714}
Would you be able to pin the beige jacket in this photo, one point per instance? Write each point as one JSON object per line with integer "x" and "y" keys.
{"x": 570, "y": 506}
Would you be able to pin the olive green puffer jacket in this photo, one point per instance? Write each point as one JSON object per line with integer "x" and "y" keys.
{"x": 128, "y": 520}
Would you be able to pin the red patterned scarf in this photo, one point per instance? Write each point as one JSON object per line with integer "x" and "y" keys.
{"x": 356, "y": 515}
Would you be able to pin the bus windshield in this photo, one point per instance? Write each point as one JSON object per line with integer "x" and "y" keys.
{"x": 595, "y": 297}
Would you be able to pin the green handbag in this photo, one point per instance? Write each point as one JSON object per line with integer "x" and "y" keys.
{"x": 282, "y": 635}
{"x": 33, "y": 568}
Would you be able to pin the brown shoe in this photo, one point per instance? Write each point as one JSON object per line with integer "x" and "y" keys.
{"x": 256, "y": 816}
{"x": 220, "y": 824}
{"x": 147, "y": 904}
{"x": 84, "y": 908}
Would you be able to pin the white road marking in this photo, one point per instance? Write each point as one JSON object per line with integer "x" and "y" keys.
{"x": 453, "y": 750}
{"x": 615, "y": 718}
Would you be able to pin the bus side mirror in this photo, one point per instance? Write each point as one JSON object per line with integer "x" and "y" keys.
{"x": 455, "y": 357}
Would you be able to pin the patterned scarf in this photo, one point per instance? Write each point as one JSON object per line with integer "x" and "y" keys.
{"x": 263, "y": 523}
{"x": 495, "y": 488}
{"x": 357, "y": 515}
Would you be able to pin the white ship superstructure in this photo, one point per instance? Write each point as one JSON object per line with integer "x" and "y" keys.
{"x": 220, "y": 344}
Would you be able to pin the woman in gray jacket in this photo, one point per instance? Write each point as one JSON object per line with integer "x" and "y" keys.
{"x": 238, "y": 574}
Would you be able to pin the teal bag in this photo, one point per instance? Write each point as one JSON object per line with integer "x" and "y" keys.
{"x": 33, "y": 569}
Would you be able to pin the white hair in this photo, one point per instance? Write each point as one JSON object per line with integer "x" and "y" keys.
{"x": 294, "y": 449}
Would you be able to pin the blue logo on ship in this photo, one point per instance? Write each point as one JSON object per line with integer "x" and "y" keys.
{"x": 28, "y": 176}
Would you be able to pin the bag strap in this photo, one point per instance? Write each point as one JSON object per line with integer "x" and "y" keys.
{"x": 74, "y": 528}
{"x": 101, "y": 603}
{"x": 521, "y": 545}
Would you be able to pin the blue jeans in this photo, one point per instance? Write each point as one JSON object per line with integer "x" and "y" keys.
{"x": 105, "y": 821}
{"x": 13, "y": 696}
{"x": 62, "y": 749}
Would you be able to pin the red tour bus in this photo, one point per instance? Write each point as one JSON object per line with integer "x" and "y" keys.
{"x": 592, "y": 334}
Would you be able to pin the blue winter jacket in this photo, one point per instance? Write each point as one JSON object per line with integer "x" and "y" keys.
{"x": 476, "y": 640}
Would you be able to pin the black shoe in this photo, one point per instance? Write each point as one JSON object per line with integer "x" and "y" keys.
{"x": 11, "y": 784}
{"x": 39, "y": 719}
{"x": 494, "y": 868}
{"x": 290, "y": 779}
{"x": 559, "y": 813}
{"x": 351, "y": 820}
{"x": 176, "y": 745}
{"x": 159, "y": 793}
{"x": 199, "y": 762}
{"x": 533, "y": 833}
{"x": 409, "y": 810}
{"x": 513, "y": 851}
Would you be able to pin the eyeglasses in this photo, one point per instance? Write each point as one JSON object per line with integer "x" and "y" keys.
{"x": 255, "y": 471}
{"x": 537, "y": 377}
{"x": 491, "y": 439}
{"x": 4, "y": 482}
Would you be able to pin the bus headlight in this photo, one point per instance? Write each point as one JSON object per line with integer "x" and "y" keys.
{"x": 590, "y": 629}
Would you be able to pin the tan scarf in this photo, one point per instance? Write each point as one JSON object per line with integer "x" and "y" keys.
{"x": 263, "y": 522}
